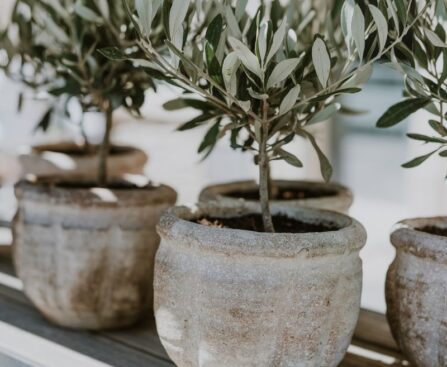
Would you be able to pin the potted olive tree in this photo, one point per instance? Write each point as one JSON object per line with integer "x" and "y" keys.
{"x": 51, "y": 47}
{"x": 237, "y": 284}
{"x": 84, "y": 248}
{"x": 415, "y": 288}
{"x": 305, "y": 19}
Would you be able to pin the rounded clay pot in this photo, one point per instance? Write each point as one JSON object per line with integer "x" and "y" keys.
{"x": 319, "y": 195}
{"x": 226, "y": 297}
{"x": 68, "y": 159}
{"x": 416, "y": 291}
{"x": 85, "y": 255}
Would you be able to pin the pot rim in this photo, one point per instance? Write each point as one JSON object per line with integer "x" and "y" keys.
{"x": 405, "y": 235}
{"x": 51, "y": 189}
{"x": 220, "y": 191}
{"x": 176, "y": 227}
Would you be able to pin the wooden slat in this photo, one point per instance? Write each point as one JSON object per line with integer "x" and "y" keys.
{"x": 92, "y": 345}
{"x": 373, "y": 332}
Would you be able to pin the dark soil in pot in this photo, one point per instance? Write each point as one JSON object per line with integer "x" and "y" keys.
{"x": 284, "y": 194}
{"x": 79, "y": 150}
{"x": 282, "y": 223}
{"x": 434, "y": 230}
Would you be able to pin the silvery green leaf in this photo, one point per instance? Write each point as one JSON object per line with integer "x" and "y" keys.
{"x": 86, "y": 13}
{"x": 144, "y": 11}
{"x": 325, "y": 114}
{"x": 282, "y": 71}
{"x": 232, "y": 22}
{"x": 347, "y": 14}
{"x": 393, "y": 13}
{"x": 177, "y": 15}
{"x": 103, "y": 7}
{"x": 247, "y": 57}
{"x": 229, "y": 71}
{"x": 306, "y": 21}
{"x": 321, "y": 60}
{"x": 358, "y": 31}
{"x": 47, "y": 23}
{"x": 292, "y": 40}
{"x": 256, "y": 95}
{"x": 262, "y": 41}
{"x": 434, "y": 39}
{"x": 177, "y": 41}
{"x": 156, "y": 5}
{"x": 56, "y": 5}
{"x": 241, "y": 5}
{"x": 277, "y": 42}
{"x": 245, "y": 105}
{"x": 360, "y": 77}
{"x": 289, "y": 100}
{"x": 382, "y": 25}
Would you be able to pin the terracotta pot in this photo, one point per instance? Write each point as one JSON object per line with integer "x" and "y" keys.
{"x": 416, "y": 291}
{"x": 85, "y": 255}
{"x": 317, "y": 195}
{"x": 226, "y": 297}
{"x": 67, "y": 159}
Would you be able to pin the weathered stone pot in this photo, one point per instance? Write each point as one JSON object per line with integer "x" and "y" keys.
{"x": 416, "y": 290}
{"x": 85, "y": 254}
{"x": 292, "y": 194}
{"x": 228, "y": 297}
{"x": 68, "y": 159}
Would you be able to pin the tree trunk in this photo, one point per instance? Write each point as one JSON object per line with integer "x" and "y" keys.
{"x": 264, "y": 176}
{"x": 105, "y": 146}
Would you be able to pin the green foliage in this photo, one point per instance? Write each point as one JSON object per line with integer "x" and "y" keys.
{"x": 422, "y": 59}
{"x": 51, "y": 46}
{"x": 266, "y": 77}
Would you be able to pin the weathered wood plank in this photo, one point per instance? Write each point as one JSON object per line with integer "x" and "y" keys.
{"x": 92, "y": 345}
{"x": 373, "y": 332}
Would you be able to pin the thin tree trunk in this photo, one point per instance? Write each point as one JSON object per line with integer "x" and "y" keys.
{"x": 264, "y": 175}
{"x": 86, "y": 145}
{"x": 105, "y": 146}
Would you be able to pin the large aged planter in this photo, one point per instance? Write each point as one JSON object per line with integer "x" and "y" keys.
{"x": 228, "y": 297}
{"x": 416, "y": 290}
{"x": 67, "y": 159}
{"x": 85, "y": 255}
{"x": 308, "y": 194}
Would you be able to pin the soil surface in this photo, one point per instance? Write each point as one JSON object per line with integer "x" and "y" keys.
{"x": 285, "y": 194}
{"x": 282, "y": 224}
{"x": 90, "y": 185}
{"x": 79, "y": 151}
{"x": 434, "y": 230}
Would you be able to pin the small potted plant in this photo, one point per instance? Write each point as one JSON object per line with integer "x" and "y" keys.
{"x": 415, "y": 287}
{"x": 60, "y": 61}
{"x": 305, "y": 20}
{"x": 263, "y": 285}
{"x": 84, "y": 248}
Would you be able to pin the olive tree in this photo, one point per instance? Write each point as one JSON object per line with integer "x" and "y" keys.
{"x": 265, "y": 78}
{"x": 52, "y": 46}
{"x": 422, "y": 59}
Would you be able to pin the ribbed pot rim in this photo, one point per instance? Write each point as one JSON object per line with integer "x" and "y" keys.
{"x": 407, "y": 236}
{"x": 59, "y": 190}
{"x": 221, "y": 190}
{"x": 176, "y": 226}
